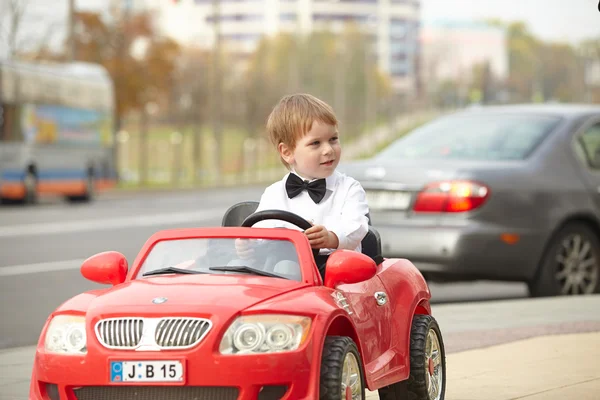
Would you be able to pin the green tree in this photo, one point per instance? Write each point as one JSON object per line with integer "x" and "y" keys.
{"x": 336, "y": 68}
{"x": 524, "y": 65}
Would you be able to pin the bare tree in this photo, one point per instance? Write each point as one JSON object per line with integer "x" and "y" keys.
{"x": 13, "y": 12}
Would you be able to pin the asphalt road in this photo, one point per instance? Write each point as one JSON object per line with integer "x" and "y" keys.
{"x": 42, "y": 247}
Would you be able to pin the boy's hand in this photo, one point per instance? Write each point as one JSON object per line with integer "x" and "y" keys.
{"x": 320, "y": 238}
{"x": 243, "y": 249}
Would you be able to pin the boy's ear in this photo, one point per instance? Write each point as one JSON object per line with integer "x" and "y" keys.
{"x": 286, "y": 153}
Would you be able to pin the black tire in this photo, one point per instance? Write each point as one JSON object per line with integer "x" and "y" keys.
{"x": 30, "y": 184}
{"x": 335, "y": 350}
{"x": 549, "y": 282}
{"x": 419, "y": 371}
{"x": 90, "y": 191}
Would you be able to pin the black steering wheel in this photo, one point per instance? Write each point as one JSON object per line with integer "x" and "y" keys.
{"x": 280, "y": 215}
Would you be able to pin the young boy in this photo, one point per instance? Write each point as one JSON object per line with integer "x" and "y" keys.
{"x": 304, "y": 130}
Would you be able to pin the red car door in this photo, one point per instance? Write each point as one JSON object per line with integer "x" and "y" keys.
{"x": 369, "y": 307}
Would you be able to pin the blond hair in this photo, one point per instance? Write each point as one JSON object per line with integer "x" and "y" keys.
{"x": 293, "y": 117}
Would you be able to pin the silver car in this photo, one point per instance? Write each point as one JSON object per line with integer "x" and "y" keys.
{"x": 497, "y": 193}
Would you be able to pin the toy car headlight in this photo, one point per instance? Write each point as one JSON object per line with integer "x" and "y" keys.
{"x": 66, "y": 335}
{"x": 258, "y": 334}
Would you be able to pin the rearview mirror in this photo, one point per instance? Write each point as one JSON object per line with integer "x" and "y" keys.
{"x": 108, "y": 268}
{"x": 347, "y": 266}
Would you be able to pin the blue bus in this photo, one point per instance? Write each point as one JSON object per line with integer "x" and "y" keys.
{"x": 56, "y": 130}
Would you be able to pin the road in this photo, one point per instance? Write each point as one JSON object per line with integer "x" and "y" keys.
{"x": 42, "y": 247}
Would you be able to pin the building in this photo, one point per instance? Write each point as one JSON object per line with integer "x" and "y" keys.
{"x": 393, "y": 24}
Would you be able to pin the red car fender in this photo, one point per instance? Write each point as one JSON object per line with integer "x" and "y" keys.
{"x": 76, "y": 305}
{"x": 328, "y": 319}
{"x": 410, "y": 294}
{"x": 79, "y": 304}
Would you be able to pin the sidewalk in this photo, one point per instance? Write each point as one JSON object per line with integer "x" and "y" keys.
{"x": 531, "y": 349}
{"x": 543, "y": 368}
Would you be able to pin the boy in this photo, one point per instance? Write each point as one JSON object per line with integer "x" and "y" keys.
{"x": 304, "y": 131}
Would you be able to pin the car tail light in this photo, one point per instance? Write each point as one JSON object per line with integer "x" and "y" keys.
{"x": 451, "y": 196}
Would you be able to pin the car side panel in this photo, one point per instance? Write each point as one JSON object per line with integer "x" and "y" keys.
{"x": 370, "y": 324}
{"x": 318, "y": 303}
{"x": 373, "y": 323}
{"x": 406, "y": 290}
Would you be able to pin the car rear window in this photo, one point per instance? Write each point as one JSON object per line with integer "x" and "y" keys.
{"x": 474, "y": 137}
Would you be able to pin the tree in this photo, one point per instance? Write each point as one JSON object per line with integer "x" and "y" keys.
{"x": 139, "y": 78}
{"x": 314, "y": 64}
{"x": 589, "y": 52}
{"x": 12, "y": 11}
{"x": 561, "y": 73}
{"x": 524, "y": 65}
{"x": 28, "y": 47}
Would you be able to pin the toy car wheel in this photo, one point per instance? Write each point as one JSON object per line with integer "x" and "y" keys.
{"x": 427, "y": 379}
{"x": 341, "y": 370}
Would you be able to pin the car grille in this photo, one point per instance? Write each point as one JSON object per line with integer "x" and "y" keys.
{"x": 180, "y": 332}
{"x": 172, "y": 393}
{"x": 155, "y": 393}
{"x": 144, "y": 333}
{"x": 124, "y": 333}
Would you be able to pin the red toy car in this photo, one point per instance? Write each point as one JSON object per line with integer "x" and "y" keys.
{"x": 190, "y": 320}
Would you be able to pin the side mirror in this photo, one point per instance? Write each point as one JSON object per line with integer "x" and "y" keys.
{"x": 347, "y": 266}
{"x": 107, "y": 268}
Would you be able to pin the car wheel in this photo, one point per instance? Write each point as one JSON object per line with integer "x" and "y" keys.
{"x": 571, "y": 264}
{"x": 341, "y": 370}
{"x": 427, "y": 379}
{"x": 30, "y": 184}
{"x": 90, "y": 191}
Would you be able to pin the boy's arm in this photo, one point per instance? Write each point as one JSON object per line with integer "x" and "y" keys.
{"x": 351, "y": 224}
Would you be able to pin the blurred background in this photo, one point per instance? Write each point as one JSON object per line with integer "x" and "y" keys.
{"x": 175, "y": 93}
{"x": 155, "y": 97}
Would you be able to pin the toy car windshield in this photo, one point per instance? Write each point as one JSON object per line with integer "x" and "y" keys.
{"x": 269, "y": 257}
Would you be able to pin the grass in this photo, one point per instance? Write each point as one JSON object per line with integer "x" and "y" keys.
{"x": 171, "y": 160}
{"x": 244, "y": 160}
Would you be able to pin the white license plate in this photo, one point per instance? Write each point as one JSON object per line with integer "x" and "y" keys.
{"x": 146, "y": 371}
{"x": 388, "y": 200}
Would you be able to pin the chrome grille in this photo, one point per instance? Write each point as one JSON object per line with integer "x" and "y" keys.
{"x": 144, "y": 334}
{"x": 180, "y": 332}
{"x": 120, "y": 333}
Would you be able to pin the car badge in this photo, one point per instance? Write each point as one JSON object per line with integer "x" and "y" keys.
{"x": 159, "y": 300}
{"x": 375, "y": 173}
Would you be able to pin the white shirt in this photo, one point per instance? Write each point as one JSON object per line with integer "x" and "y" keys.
{"x": 343, "y": 210}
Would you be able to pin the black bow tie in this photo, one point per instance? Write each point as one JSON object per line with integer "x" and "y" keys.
{"x": 295, "y": 185}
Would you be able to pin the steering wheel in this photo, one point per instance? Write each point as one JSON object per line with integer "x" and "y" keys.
{"x": 280, "y": 215}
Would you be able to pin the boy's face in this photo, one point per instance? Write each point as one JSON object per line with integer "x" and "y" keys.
{"x": 316, "y": 154}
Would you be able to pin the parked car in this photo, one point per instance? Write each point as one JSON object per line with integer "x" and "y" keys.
{"x": 496, "y": 193}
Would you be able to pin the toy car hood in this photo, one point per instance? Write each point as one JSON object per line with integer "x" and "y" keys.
{"x": 200, "y": 295}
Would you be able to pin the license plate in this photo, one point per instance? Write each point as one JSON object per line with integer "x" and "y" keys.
{"x": 146, "y": 371}
{"x": 388, "y": 200}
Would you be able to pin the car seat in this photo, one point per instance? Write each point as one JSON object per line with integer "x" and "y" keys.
{"x": 236, "y": 214}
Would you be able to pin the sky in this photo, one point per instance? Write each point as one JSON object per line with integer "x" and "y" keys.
{"x": 557, "y": 20}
